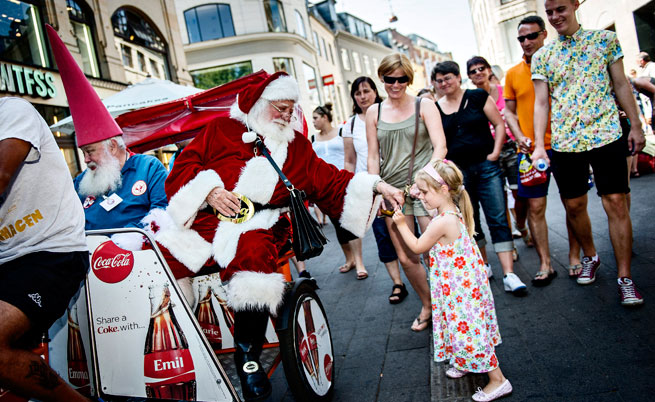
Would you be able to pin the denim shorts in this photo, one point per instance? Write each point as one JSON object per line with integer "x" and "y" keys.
{"x": 386, "y": 251}
{"x": 484, "y": 183}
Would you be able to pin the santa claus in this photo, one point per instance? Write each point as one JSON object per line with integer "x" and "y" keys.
{"x": 223, "y": 160}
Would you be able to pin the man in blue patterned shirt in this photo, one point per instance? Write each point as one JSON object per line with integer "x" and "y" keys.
{"x": 578, "y": 70}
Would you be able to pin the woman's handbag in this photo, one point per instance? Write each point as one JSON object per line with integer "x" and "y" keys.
{"x": 308, "y": 238}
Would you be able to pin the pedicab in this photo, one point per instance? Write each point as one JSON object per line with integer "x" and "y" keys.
{"x": 132, "y": 333}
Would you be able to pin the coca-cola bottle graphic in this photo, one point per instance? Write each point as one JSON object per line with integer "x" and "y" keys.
{"x": 303, "y": 347}
{"x": 167, "y": 362}
{"x": 228, "y": 315}
{"x": 78, "y": 370}
{"x": 207, "y": 318}
{"x": 311, "y": 336}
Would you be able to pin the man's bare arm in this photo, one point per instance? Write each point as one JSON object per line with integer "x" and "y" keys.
{"x": 12, "y": 154}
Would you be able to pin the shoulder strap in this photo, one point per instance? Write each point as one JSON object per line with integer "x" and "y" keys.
{"x": 417, "y": 113}
{"x": 340, "y": 129}
{"x": 352, "y": 123}
{"x": 379, "y": 110}
{"x": 313, "y": 138}
{"x": 263, "y": 150}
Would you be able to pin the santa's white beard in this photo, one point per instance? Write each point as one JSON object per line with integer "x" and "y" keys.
{"x": 277, "y": 129}
{"x": 106, "y": 177}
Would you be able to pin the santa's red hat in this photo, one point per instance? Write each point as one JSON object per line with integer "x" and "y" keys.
{"x": 278, "y": 86}
{"x": 92, "y": 120}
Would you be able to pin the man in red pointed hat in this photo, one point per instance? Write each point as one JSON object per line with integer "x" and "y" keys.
{"x": 118, "y": 188}
{"x": 223, "y": 159}
{"x": 43, "y": 252}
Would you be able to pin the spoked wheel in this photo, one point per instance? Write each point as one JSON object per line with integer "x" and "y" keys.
{"x": 306, "y": 346}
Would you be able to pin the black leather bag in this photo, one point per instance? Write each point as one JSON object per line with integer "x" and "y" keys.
{"x": 308, "y": 238}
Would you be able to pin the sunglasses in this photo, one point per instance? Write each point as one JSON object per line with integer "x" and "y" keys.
{"x": 531, "y": 36}
{"x": 392, "y": 80}
{"x": 477, "y": 70}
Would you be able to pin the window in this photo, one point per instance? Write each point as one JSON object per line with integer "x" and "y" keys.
{"x": 22, "y": 38}
{"x": 209, "y": 21}
{"x": 133, "y": 33}
{"x": 345, "y": 60}
{"x": 367, "y": 64}
{"x": 331, "y": 54}
{"x": 82, "y": 21}
{"x": 141, "y": 60}
{"x": 301, "y": 25}
{"x": 284, "y": 64}
{"x": 312, "y": 85}
{"x": 375, "y": 63}
{"x": 215, "y": 76}
{"x": 317, "y": 44}
{"x": 325, "y": 53}
{"x": 357, "y": 62}
{"x": 126, "y": 52}
{"x": 155, "y": 69}
{"x": 275, "y": 16}
{"x": 134, "y": 29}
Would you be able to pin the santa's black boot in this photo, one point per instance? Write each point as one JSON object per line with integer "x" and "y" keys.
{"x": 249, "y": 336}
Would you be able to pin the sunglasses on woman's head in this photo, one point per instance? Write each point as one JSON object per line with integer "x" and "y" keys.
{"x": 531, "y": 36}
{"x": 477, "y": 70}
{"x": 391, "y": 80}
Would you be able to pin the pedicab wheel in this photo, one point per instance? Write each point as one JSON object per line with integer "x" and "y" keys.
{"x": 306, "y": 346}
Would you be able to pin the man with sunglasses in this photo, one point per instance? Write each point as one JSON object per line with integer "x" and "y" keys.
{"x": 519, "y": 113}
{"x": 578, "y": 70}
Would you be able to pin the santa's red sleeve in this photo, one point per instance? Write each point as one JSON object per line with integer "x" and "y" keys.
{"x": 341, "y": 194}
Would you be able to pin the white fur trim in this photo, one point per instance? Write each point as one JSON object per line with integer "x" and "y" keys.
{"x": 187, "y": 246}
{"x": 258, "y": 178}
{"x": 359, "y": 205}
{"x": 249, "y": 290}
{"x": 132, "y": 241}
{"x": 248, "y": 137}
{"x": 190, "y": 198}
{"x": 156, "y": 220}
{"x": 227, "y": 234}
{"x": 284, "y": 87}
{"x": 236, "y": 113}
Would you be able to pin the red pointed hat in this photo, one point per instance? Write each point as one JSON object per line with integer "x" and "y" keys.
{"x": 92, "y": 120}
{"x": 278, "y": 86}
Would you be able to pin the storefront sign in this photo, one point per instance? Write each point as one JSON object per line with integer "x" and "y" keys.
{"x": 311, "y": 83}
{"x": 328, "y": 80}
{"x": 27, "y": 81}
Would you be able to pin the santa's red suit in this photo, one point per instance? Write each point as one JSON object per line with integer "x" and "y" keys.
{"x": 222, "y": 156}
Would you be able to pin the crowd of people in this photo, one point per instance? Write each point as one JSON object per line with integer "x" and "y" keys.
{"x": 415, "y": 168}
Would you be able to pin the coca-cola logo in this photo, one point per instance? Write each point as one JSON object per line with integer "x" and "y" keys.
{"x": 110, "y": 263}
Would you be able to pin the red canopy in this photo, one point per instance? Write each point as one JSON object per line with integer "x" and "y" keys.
{"x": 167, "y": 123}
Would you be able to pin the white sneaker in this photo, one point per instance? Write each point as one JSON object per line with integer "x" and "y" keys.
{"x": 513, "y": 284}
{"x": 487, "y": 268}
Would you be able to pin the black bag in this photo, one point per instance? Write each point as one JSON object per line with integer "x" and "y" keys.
{"x": 308, "y": 238}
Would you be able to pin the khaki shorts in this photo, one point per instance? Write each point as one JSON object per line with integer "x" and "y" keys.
{"x": 414, "y": 207}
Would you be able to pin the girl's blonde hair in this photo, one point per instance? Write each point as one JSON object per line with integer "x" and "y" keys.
{"x": 454, "y": 179}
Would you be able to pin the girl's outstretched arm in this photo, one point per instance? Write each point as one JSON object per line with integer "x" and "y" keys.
{"x": 435, "y": 231}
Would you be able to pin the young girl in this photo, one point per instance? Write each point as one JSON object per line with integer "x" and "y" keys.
{"x": 464, "y": 323}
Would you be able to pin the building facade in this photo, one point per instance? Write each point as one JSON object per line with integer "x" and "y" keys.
{"x": 114, "y": 44}
{"x": 225, "y": 41}
{"x": 495, "y": 24}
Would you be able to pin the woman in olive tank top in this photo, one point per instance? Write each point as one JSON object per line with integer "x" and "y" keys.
{"x": 390, "y": 128}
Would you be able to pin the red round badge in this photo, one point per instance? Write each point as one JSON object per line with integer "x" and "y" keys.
{"x": 89, "y": 201}
{"x": 327, "y": 365}
{"x": 110, "y": 263}
{"x": 139, "y": 188}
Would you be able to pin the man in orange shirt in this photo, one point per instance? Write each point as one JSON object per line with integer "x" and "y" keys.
{"x": 519, "y": 113}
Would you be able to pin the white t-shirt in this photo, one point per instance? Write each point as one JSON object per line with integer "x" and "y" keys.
{"x": 39, "y": 210}
{"x": 359, "y": 141}
{"x": 330, "y": 151}
{"x": 647, "y": 71}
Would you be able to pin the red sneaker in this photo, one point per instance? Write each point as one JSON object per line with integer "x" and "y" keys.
{"x": 589, "y": 269}
{"x": 629, "y": 295}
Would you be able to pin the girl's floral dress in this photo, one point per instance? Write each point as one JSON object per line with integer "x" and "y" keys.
{"x": 464, "y": 323}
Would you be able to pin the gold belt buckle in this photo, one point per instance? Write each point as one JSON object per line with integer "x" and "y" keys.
{"x": 246, "y": 211}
